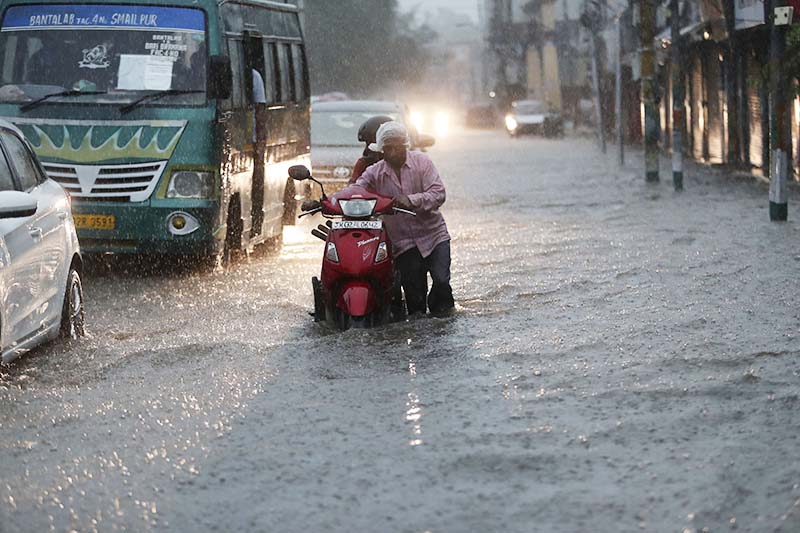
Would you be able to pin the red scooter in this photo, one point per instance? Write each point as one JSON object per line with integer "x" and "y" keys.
{"x": 357, "y": 284}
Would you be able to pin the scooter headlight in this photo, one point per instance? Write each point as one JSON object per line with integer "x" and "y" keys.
{"x": 382, "y": 254}
{"x": 331, "y": 254}
{"x": 357, "y": 208}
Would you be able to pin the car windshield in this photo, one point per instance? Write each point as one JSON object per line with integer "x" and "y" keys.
{"x": 339, "y": 128}
{"x": 115, "y": 52}
{"x": 530, "y": 108}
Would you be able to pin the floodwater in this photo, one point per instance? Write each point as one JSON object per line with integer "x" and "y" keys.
{"x": 623, "y": 358}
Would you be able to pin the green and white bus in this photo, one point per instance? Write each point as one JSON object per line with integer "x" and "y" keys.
{"x": 171, "y": 123}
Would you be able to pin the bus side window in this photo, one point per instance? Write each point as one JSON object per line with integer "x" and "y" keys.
{"x": 285, "y": 66}
{"x": 9, "y": 49}
{"x": 277, "y": 77}
{"x": 300, "y": 72}
{"x": 235, "y": 53}
{"x": 270, "y": 81}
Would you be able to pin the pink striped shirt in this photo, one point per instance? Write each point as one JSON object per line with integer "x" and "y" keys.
{"x": 420, "y": 181}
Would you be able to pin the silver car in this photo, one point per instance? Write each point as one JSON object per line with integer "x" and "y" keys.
{"x": 334, "y": 136}
{"x": 533, "y": 116}
{"x": 40, "y": 262}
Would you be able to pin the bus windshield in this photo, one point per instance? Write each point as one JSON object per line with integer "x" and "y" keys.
{"x": 114, "y": 53}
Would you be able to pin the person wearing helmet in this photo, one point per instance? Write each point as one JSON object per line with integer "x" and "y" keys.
{"x": 366, "y": 135}
{"x": 421, "y": 244}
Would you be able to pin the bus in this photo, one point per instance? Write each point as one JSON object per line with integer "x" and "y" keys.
{"x": 170, "y": 123}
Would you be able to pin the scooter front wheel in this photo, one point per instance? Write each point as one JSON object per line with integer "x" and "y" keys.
{"x": 319, "y": 300}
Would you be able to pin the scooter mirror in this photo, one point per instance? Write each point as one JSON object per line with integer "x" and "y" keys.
{"x": 299, "y": 173}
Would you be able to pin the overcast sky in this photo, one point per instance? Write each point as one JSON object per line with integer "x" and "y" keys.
{"x": 469, "y": 7}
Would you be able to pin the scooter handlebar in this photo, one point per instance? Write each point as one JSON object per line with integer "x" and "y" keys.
{"x": 306, "y": 213}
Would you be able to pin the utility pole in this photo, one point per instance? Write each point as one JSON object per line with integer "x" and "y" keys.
{"x": 598, "y": 106}
{"x": 647, "y": 31}
{"x": 590, "y": 20}
{"x": 779, "y": 130}
{"x": 732, "y": 61}
{"x": 618, "y": 95}
{"x": 678, "y": 97}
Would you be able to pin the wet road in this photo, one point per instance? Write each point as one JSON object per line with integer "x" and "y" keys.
{"x": 623, "y": 359}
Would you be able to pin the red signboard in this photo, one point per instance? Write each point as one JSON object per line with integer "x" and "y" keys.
{"x": 796, "y": 5}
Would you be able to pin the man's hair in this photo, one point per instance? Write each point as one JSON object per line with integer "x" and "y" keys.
{"x": 390, "y": 130}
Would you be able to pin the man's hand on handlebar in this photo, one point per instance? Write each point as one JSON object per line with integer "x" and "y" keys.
{"x": 310, "y": 205}
{"x": 402, "y": 202}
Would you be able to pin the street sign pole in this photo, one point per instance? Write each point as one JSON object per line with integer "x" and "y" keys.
{"x": 618, "y": 96}
{"x": 678, "y": 97}
{"x": 779, "y": 130}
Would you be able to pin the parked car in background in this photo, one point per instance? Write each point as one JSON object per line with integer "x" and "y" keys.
{"x": 334, "y": 136}
{"x": 40, "y": 263}
{"x": 533, "y": 116}
{"x": 335, "y": 96}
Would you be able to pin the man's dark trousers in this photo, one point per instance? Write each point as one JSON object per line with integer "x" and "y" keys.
{"x": 414, "y": 276}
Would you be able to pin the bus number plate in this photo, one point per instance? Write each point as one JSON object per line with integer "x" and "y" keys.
{"x": 358, "y": 224}
{"x": 101, "y": 222}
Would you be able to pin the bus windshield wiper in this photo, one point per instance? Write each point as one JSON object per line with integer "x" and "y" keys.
{"x": 154, "y": 96}
{"x": 34, "y": 103}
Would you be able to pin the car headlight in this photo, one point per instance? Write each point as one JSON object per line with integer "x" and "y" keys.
{"x": 357, "y": 208}
{"x": 191, "y": 184}
{"x": 442, "y": 123}
{"x": 417, "y": 120}
{"x": 511, "y": 123}
{"x": 342, "y": 173}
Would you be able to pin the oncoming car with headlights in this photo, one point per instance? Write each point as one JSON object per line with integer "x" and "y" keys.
{"x": 170, "y": 123}
{"x": 40, "y": 263}
{"x": 335, "y": 147}
{"x": 533, "y": 116}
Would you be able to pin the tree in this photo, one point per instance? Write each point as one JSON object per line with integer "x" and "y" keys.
{"x": 362, "y": 46}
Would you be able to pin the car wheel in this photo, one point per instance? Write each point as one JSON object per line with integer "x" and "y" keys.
{"x": 233, "y": 234}
{"x": 73, "y": 315}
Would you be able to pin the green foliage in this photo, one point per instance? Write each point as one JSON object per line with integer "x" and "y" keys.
{"x": 361, "y": 46}
{"x": 792, "y": 55}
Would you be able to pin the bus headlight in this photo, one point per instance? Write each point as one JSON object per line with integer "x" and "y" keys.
{"x": 191, "y": 184}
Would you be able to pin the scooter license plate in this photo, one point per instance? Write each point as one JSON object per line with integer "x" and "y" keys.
{"x": 358, "y": 224}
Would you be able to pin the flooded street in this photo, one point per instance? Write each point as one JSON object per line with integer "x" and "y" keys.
{"x": 623, "y": 358}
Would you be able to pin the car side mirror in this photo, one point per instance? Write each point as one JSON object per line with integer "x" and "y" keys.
{"x": 425, "y": 141}
{"x": 220, "y": 77}
{"x": 16, "y": 204}
{"x": 299, "y": 173}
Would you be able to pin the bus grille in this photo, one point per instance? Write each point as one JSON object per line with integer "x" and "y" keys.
{"x": 107, "y": 183}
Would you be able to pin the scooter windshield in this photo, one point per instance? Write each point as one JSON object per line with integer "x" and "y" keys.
{"x": 357, "y": 208}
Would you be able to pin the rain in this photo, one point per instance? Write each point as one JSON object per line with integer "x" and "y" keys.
{"x": 621, "y": 188}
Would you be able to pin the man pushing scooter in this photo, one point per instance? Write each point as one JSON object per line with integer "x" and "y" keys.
{"x": 421, "y": 244}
